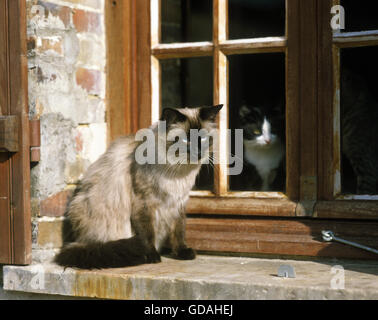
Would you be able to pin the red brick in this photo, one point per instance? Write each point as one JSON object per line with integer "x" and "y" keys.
{"x": 85, "y": 21}
{"x": 63, "y": 12}
{"x": 90, "y": 80}
{"x": 55, "y": 205}
{"x": 65, "y": 15}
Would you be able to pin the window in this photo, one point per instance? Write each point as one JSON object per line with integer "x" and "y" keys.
{"x": 348, "y": 60}
{"x": 184, "y": 53}
{"x": 194, "y": 62}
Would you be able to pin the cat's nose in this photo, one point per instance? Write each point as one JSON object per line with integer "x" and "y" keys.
{"x": 267, "y": 141}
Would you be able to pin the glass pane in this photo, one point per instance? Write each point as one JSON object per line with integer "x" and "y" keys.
{"x": 256, "y": 18}
{"x": 359, "y": 119}
{"x": 360, "y": 15}
{"x": 186, "y": 20}
{"x": 189, "y": 83}
{"x": 257, "y": 105}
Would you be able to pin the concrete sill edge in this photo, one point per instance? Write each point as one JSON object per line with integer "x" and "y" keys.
{"x": 206, "y": 277}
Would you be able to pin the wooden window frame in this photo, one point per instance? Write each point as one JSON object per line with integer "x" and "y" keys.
{"x": 332, "y": 204}
{"x": 272, "y": 203}
{"x": 250, "y": 222}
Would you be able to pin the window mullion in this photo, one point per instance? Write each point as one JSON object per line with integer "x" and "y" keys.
{"x": 221, "y": 94}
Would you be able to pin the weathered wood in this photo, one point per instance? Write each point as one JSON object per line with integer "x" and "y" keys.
{"x": 347, "y": 209}
{"x": 220, "y": 95}
{"x": 183, "y": 50}
{"x": 259, "y": 45}
{"x": 35, "y": 140}
{"x": 143, "y": 59}
{"x": 35, "y": 133}
{"x": 5, "y": 181}
{"x": 20, "y": 161}
{"x": 355, "y": 39}
{"x": 292, "y": 100}
{"x": 241, "y": 206}
{"x": 9, "y": 133}
{"x": 5, "y": 217}
{"x": 308, "y": 100}
{"x": 326, "y": 90}
{"x": 155, "y": 22}
{"x": 118, "y": 21}
{"x": 280, "y": 237}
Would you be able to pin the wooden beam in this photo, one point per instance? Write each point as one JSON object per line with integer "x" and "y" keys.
{"x": 308, "y": 102}
{"x": 241, "y": 206}
{"x": 143, "y": 77}
{"x": 119, "y": 87}
{"x": 355, "y": 39}
{"x": 346, "y": 209}
{"x": 292, "y": 99}
{"x": 35, "y": 140}
{"x": 257, "y": 45}
{"x": 328, "y": 89}
{"x": 183, "y": 50}
{"x": 220, "y": 96}
{"x": 293, "y": 237}
{"x": 20, "y": 161}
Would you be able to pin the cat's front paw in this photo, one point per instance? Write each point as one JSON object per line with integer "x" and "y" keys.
{"x": 153, "y": 256}
{"x": 185, "y": 254}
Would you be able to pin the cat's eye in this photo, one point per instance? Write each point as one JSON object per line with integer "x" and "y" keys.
{"x": 256, "y": 132}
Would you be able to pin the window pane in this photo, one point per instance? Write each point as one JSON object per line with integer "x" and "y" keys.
{"x": 186, "y": 20}
{"x": 359, "y": 118}
{"x": 360, "y": 15}
{"x": 189, "y": 83}
{"x": 257, "y": 105}
{"x": 256, "y": 18}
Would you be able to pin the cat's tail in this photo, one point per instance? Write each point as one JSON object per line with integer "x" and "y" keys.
{"x": 112, "y": 254}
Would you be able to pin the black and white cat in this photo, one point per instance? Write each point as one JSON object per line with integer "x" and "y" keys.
{"x": 264, "y": 146}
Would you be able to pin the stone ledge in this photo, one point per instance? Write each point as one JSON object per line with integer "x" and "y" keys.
{"x": 207, "y": 277}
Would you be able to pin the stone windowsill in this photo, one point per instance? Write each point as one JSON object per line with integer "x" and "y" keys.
{"x": 207, "y": 277}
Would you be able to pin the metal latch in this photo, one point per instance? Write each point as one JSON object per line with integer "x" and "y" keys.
{"x": 329, "y": 236}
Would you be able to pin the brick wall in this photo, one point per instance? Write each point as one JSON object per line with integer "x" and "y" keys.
{"x": 66, "y": 59}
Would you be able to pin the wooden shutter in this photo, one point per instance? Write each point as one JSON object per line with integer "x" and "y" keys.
{"x": 15, "y": 223}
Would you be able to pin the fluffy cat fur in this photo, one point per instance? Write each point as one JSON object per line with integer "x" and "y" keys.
{"x": 124, "y": 213}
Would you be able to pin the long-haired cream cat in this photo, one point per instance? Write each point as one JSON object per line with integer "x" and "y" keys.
{"x": 124, "y": 213}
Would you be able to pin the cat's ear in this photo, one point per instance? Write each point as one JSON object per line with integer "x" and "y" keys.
{"x": 210, "y": 113}
{"x": 171, "y": 115}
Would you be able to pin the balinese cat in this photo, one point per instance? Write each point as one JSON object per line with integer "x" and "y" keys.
{"x": 125, "y": 213}
{"x": 264, "y": 147}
